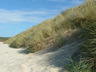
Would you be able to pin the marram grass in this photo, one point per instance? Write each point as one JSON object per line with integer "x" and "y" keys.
{"x": 51, "y": 32}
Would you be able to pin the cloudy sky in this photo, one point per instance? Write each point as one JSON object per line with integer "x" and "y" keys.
{"x": 19, "y": 15}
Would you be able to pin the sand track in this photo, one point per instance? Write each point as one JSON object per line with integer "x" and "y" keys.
{"x": 11, "y": 60}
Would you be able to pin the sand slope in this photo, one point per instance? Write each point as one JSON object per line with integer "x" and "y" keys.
{"x": 11, "y": 60}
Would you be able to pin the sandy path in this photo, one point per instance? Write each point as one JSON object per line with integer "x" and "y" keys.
{"x": 11, "y": 60}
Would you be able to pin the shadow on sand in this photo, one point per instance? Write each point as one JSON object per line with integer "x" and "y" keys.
{"x": 59, "y": 57}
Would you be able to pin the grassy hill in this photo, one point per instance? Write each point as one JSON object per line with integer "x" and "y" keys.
{"x": 51, "y": 32}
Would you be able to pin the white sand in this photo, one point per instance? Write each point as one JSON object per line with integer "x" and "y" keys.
{"x": 11, "y": 60}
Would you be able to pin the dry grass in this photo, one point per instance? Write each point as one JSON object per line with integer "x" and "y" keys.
{"x": 70, "y": 19}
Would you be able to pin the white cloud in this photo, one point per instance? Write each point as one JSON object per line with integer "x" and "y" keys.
{"x": 17, "y": 16}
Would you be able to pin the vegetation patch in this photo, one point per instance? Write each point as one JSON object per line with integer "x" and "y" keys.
{"x": 2, "y": 39}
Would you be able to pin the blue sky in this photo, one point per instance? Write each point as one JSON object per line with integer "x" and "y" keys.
{"x": 18, "y": 15}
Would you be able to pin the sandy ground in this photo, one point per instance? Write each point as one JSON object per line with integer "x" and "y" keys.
{"x": 14, "y": 60}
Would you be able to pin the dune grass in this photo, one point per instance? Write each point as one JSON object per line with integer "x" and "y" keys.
{"x": 71, "y": 19}
{"x": 52, "y": 32}
{"x": 85, "y": 59}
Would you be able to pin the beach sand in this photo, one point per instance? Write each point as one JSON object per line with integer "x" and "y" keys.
{"x": 13, "y": 60}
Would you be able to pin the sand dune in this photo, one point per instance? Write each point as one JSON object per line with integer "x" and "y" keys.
{"x": 11, "y": 60}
